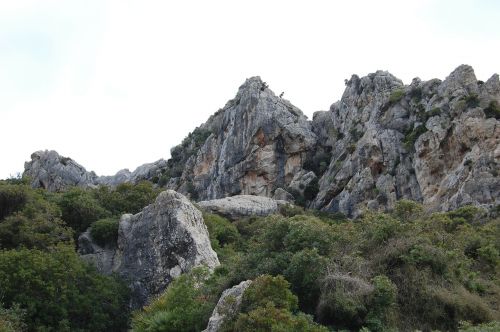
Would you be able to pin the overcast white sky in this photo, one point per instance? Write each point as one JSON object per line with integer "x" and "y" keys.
{"x": 115, "y": 84}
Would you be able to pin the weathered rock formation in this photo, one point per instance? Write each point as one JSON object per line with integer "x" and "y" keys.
{"x": 49, "y": 170}
{"x": 228, "y": 305}
{"x": 255, "y": 144}
{"x": 154, "y": 246}
{"x": 434, "y": 142}
{"x": 241, "y": 206}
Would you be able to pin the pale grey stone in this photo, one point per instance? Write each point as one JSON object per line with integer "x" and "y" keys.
{"x": 228, "y": 305}
{"x": 165, "y": 239}
{"x": 239, "y": 206}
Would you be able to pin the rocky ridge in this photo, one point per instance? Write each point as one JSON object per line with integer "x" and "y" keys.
{"x": 51, "y": 171}
{"x": 436, "y": 142}
{"x": 165, "y": 239}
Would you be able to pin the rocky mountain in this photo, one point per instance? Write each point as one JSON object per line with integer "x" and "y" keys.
{"x": 435, "y": 142}
{"x": 155, "y": 246}
{"x": 431, "y": 141}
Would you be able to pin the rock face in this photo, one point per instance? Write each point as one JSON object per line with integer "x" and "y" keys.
{"x": 155, "y": 246}
{"x": 254, "y": 145}
{"x": 432, "y": 142}
{"x": 49, "y": 170}
{"x": 436, "y": 142}
{"x": 228, "y": 305}
{"x": 240, "y": 206}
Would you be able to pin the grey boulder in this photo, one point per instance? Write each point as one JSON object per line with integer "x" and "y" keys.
{"x": 239, "y": 206}
{"x": 164, "y": 240}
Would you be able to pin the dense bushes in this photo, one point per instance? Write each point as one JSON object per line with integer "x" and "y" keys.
{"x": 80, "y": 209}
{"x": 12, "y": 198}
{"x": 105, "y": 231}
{"x": 268, "y": 305}
{"x": 185, "y": 306}
{"x": 404, "y": 270}
{"x": 126, "y": 197}
{"x": 34, "y": 223}
{"x": 59, "y": 292}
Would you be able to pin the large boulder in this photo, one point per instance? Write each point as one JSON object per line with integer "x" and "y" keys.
{"x": 155, "y": 246}
{"x": 228, "y": 305}
{"x": 241, "y": 206}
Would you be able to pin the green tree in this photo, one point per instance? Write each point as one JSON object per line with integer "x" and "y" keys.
{"x": 60, "y": 292}
{"x": 185, "y": 306}
{"x": 80, "y": 209}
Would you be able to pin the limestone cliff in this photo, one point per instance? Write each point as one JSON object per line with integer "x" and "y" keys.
{"x": 435, "y": 142}
{"x": 254, "y": 145}
{"x": 431, "y": 141}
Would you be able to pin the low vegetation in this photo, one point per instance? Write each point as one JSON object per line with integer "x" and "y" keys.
{"x": 311, "y": 271}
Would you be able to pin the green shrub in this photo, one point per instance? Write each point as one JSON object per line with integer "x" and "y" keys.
{"x": 80, "y": 209}
{"x": 406, "y": 210}
{"x": 272, "y": 319}
{"x": 36, "y": 225}
{"x": 412, "y": 135}
{"x": 304, "y": 271}
{"x": 268, "y": 289}
{"x": 396, "y": 96}
{"x": 382, "y": 304}
{"x": 493, "y": 110}
{"x": 60, "y": 292}
{"x": 471, "y": 100}
{"x": 222, "y": 232}
{"x": 12, "y": 319}
{"x": 184, "y": 306}
{"x": 126, "y": 197}
{"x": 105, "y": 231}
{"x": 12, "y": 198}
{"x": 486, "y": 327}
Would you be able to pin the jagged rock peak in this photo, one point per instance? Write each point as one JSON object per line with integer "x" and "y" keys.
{"x": 461, "y": 81}
{"x": 156, "y": 245}
{"x": 375, "y": 82}
{"x": 431, "y": 141}
{"x": 254, "y": 145}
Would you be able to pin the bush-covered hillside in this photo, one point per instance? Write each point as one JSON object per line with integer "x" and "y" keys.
{"x": 405, "y": 270}
{"x": 311, "y": 271}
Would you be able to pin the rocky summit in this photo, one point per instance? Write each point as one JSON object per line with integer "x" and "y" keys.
{"x": 435, "y": 142}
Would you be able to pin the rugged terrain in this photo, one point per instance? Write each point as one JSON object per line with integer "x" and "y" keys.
{"x": 436, "y": 142}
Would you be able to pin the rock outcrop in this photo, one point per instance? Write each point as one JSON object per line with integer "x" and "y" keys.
{"x": 254, "y": 145}
{"x": 228, "y": 305}
{"x": 155, "y": 246}
{"x": 241, "y": 206}
{"x": 48, "y": 170}
{"x": 434, "y": 142}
